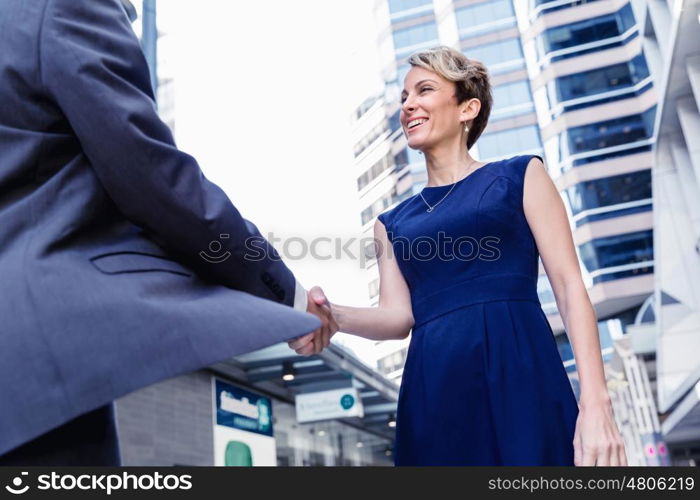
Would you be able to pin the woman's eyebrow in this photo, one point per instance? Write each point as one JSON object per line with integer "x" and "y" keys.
{"x": 418, "y": 84}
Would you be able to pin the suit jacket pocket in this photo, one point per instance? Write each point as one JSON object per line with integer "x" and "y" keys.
{"x": 136, "y": 262}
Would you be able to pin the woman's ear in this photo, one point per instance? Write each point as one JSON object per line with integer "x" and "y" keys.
{"x": 470, "y": 109}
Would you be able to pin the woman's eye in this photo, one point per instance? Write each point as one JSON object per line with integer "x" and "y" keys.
{"x": 403, "y": 99}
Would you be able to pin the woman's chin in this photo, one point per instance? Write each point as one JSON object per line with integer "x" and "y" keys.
{"x": 417, "y": 145}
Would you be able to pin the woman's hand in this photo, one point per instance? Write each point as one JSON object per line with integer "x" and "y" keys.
{"x": 597, "y": 440}
{"x": 318, "y": 340}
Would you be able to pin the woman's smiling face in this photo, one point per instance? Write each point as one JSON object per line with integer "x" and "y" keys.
{"x": 429, "y": 113}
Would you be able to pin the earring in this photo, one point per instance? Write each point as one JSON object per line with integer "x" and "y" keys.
{"x": 466, "y": 128}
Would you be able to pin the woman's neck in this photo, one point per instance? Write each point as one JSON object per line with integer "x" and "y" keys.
{"x": 448, "y": 166}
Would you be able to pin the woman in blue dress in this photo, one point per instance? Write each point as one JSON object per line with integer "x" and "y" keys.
{"x": 483, "y": 382}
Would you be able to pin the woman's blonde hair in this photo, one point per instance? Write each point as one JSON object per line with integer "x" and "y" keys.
{"x": 471, "y": 79}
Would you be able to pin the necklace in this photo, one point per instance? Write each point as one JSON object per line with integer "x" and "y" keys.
{"x": 431, "y": 208}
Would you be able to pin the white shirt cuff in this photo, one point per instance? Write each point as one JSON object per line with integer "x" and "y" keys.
{"x": 300, "y": 298}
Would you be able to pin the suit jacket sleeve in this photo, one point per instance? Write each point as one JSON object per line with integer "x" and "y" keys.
{"x": 92, "y": 67}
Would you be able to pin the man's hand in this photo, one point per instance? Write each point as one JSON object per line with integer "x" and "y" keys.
{"x": 314, "y": 342}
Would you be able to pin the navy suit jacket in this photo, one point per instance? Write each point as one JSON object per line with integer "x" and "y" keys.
{"x": 103, "y": 287}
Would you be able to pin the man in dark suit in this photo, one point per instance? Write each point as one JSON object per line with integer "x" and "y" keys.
{"x": 120, "y": 263}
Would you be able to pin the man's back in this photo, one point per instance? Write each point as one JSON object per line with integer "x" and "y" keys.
{"x": 102, "y": 221}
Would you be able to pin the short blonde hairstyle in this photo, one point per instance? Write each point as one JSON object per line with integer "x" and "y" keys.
{"x": 471, "y": 79}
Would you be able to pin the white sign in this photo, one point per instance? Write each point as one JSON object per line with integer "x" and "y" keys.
{"x": 325, "y": 405}
{"x": 243, "y": 433}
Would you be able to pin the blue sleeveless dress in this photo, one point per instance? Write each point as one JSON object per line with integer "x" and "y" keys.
{"x": 483, "y": 382}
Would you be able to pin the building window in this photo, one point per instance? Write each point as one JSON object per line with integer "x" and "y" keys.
{"x": 401, "y": 5}
{"x": 606, "y": 155}
{"x": 511, "y": 99}
{"x": 370, "y": 137}
{"x": 496, "y": 53}
{"x": 566, "y": 352}
{"x": 597, "y": 81}
{"x": 619, "y": 250}
{"x": 608, "y": 133}
{"x": 481, "y": 15}
{"x": 546, "y": 295}
{"x": 408, "y": 156}
{"x": 382, "y": 203}
{"x": 509, "y": 142}
{"x": 395, "y": 121}
{"x": 393, "y": 361}
{"x": 415, "y": 35}
{"x": 608, "y": 191}
{"x": 584, "y": 32}
{"x": 559, "y": 4}
{"x": 374, "y": 171}
{"x": 402, "y": 72}
{"x": 365, "y": 106}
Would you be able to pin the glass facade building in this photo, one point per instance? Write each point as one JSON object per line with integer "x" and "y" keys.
{"x": 596, "y": 107}
{"x": 670, "y": 37}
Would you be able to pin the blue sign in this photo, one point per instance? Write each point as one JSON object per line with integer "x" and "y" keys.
{"x": 347, "y": 401}
{"x": 240, "y": 409}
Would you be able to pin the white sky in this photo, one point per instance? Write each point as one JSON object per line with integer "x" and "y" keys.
{"x": 263, "y": 97}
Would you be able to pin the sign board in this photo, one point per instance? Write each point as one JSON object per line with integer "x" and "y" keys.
{"x": 325, "y": 405}
{"x": 242, "y": 427}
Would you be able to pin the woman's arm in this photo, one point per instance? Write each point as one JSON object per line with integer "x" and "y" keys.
{"x": 549, "y": 224}
{"x": 393, "y": 318}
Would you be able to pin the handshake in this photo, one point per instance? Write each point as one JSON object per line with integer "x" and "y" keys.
{"x": 316, "y": 341}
